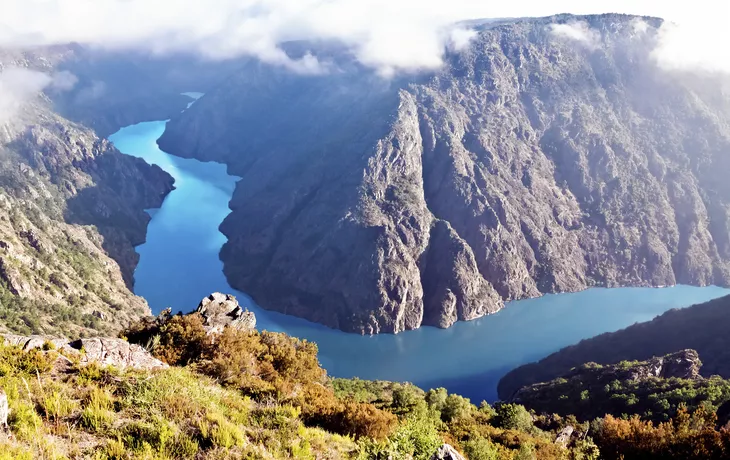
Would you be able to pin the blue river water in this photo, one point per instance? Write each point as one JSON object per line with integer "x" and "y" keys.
{"x": 179, "y": 265}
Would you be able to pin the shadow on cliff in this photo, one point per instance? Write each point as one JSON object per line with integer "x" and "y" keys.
{"x": 125, "y": 188}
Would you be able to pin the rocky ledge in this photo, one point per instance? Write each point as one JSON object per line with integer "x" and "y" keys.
{"x": 104, "y": 351}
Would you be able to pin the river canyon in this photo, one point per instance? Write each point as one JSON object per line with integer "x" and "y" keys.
{"x": 180, "y": 264}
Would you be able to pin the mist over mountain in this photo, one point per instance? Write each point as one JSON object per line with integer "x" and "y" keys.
{"x": 548, "y": 155}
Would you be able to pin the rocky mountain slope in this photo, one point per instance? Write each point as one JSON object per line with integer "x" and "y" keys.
{"x": 72, "y": 212}
{"x": 653, "y": 389}
{"x": 537, "y": 160}
{"x": 116, "y": 89}
{"x": 701, "y": 327}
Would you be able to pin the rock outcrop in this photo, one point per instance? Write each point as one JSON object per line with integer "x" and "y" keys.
{"x": 116, "y": 352}
{"x": 531, "y": 163}
{"x": 34, "y": 341}
{"x": 683, "y": 364}
{"x": 446, "y": 452}
{"x": 564, "y": 436}
{"x": 222, "y": 310}
{"x": 592, "y": 390}
{"x": 104, "y": 351}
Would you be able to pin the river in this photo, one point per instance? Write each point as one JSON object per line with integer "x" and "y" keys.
{"x": 179, "y": 265}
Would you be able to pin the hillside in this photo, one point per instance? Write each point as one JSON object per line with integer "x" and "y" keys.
{"x": 240, "y": 393}
{"x": 654, "y": 389}
{"x": 72, "y": 212}
{"x": 531, "y": 163}
{"x": 700, "y": 327}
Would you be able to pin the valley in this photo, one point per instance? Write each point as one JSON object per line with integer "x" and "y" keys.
{"x": 179, "y": 265}
{"x": 217, "y": 244}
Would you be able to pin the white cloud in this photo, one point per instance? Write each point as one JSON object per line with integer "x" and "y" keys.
{"x": 63, "y": 81}
{"x": 389, "y": 35}
{"x": 579, "y": 32}
{"x": 697, "y": 43}
{"x": 17, "y": 86}
{"x": 460, "y": 38}
{"x": 639, "y": 26}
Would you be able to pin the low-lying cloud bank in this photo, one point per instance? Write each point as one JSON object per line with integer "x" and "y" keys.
{"x": 387, "y": 35}
{"x": 19, "y": 85}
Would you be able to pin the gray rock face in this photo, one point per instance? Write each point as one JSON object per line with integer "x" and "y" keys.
{"x": 105, "y": 351}
{"x": 221, "y": 310}
{"x": 116, "y": 352}
{"x": 529, "y": 164}
{"x": 446, "y": 452}
{"x": 563, "y": 438}
{"x": 34, "y": 341}
{"x": 683, "y": 364}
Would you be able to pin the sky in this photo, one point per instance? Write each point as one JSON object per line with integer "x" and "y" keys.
{"x": 387, "y": 35}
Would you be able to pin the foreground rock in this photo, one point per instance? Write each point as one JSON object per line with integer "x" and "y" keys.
{"x": 446, "y": 452}
{"x": 222, "y": 310}
{"x": 116, "y": 352}
{"x": 104, "y": 351}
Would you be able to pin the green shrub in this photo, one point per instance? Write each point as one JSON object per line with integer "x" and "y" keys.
{"x": 479, "y": 448}
{"x": 24, "y": 421}
{"x": 219, "y": 432}
{"x": 97, "y": 413}
{"x": 57, "y": 405}
{"x": 10, "y": 452}
{"x": 416, "y": 438}
{"x": 513, "y": 417}
{"x": 141, "y": 436}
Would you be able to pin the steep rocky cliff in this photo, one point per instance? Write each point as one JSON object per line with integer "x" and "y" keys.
{"x": 534, "y": 161}
{"x": 71, "y": 212}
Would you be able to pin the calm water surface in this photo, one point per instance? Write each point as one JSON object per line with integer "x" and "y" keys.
{"x": 179, "y": 265}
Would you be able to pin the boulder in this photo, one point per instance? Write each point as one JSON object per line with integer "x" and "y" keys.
{"x": 446, "y": 452}
{"x": 564, "y": 436}
{"x": 221, "y": 310}
{"x": 116, "y": 352}
{"x": 34, "y": 341}
{"x": 105, "y": 351}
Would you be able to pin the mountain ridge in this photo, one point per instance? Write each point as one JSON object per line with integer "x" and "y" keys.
{"x": 532, "y": 163}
